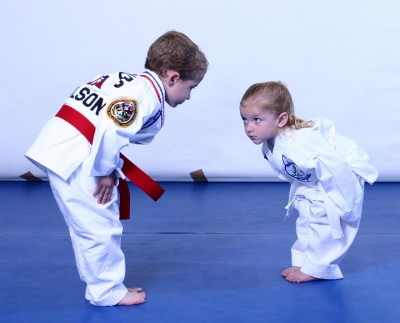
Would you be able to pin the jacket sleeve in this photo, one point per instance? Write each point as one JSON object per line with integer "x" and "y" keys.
{"x": 357, "y": 158}
{"x": 339, "y": 182}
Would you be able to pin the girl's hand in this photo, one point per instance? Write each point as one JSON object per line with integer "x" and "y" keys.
{"x": 105, "y": 187}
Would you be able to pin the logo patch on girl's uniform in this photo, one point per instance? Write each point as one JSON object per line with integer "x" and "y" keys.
{"x": 294, "y": 171}
{"x": 123, "y": 111}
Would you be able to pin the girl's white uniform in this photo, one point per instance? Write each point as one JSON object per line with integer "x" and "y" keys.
{"x": 124, "y": 108}
{"x": 327, "y": 172}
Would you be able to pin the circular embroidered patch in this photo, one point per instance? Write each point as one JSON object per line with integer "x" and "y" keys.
{"x": 122, "y": 111}
{"x": 294, "y": 171}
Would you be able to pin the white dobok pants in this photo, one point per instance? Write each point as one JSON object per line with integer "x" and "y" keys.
{"x": 315, "y": 251}
{"x": 95, "y": 232}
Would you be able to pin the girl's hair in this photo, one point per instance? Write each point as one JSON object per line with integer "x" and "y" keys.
{"x": 175, "y": 51}
{"x": 276, "y": 97}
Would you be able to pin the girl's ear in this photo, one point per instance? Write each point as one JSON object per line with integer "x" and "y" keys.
{"x": 283, "y": 119}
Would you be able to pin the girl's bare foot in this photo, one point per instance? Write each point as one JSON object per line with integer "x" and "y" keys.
{"x": 299, "y": 277}
{"x": 289, "y": 271}
{"x": 133, "y": 297}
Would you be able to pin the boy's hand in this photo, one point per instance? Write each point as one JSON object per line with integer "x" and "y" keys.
{"x": 104, "y": 189}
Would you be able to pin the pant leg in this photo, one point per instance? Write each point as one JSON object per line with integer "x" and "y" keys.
{"x": 322, "y": 253}
{"x": 95, "y": 232}
{"x": 300, "y": 245}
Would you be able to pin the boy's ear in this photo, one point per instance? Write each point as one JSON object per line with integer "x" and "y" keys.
{"x": 173, "y": 77}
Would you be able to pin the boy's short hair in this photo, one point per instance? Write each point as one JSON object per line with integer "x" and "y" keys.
{"x": 175, "y": 51}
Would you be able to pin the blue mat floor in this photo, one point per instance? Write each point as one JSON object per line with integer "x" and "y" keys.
{"x": 203, "y": 253}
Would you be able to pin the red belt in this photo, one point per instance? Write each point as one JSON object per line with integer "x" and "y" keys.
{"x": 131, "y": 171}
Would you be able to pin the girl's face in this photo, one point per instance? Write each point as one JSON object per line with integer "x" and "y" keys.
{"x": 260, "y": 124}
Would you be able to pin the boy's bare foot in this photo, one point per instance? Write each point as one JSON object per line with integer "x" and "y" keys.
{"x": 299, "y": 277}
{"x": 289, "y": 271}
{"x": 133, "y": 297}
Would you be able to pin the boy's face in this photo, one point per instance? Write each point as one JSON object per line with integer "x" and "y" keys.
{"x": 177, "y": 90}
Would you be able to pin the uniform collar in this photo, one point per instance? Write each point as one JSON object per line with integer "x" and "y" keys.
{"x": 159, "y": 90}
{"x": 156, "y": 83}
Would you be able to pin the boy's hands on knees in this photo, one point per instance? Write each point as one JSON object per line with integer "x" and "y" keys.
{"x": 105, "y": 187}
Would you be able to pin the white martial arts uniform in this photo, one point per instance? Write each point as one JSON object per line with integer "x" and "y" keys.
{"x": 327, "y": 172}
{"x": 124, "y": 108}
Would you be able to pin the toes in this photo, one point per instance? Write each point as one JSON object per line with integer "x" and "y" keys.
{"x": 133, "y": 298}
{"x": 289, "y": 271}
{"x": 290, "y": 278}
{"x": 299, "y": 277}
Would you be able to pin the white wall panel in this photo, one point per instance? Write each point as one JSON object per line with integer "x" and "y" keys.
{"x": 340, "y": 59}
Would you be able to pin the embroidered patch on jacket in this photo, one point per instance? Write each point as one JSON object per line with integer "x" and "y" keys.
{"x": 123, "y": 111}
{"x": 99, "y": 81}
{"x": 294, "y": 171}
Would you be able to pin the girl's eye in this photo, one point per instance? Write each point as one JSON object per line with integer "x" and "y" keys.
{"x": 244, "y": 120}
{"x": 257, "y": 120}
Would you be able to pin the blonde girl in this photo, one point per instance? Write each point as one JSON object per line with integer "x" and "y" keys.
{"x": 327, "y": 172}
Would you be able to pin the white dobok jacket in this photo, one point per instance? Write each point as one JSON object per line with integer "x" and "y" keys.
{"x": 323, "y": 165}
{"x": 124, "y": 108}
